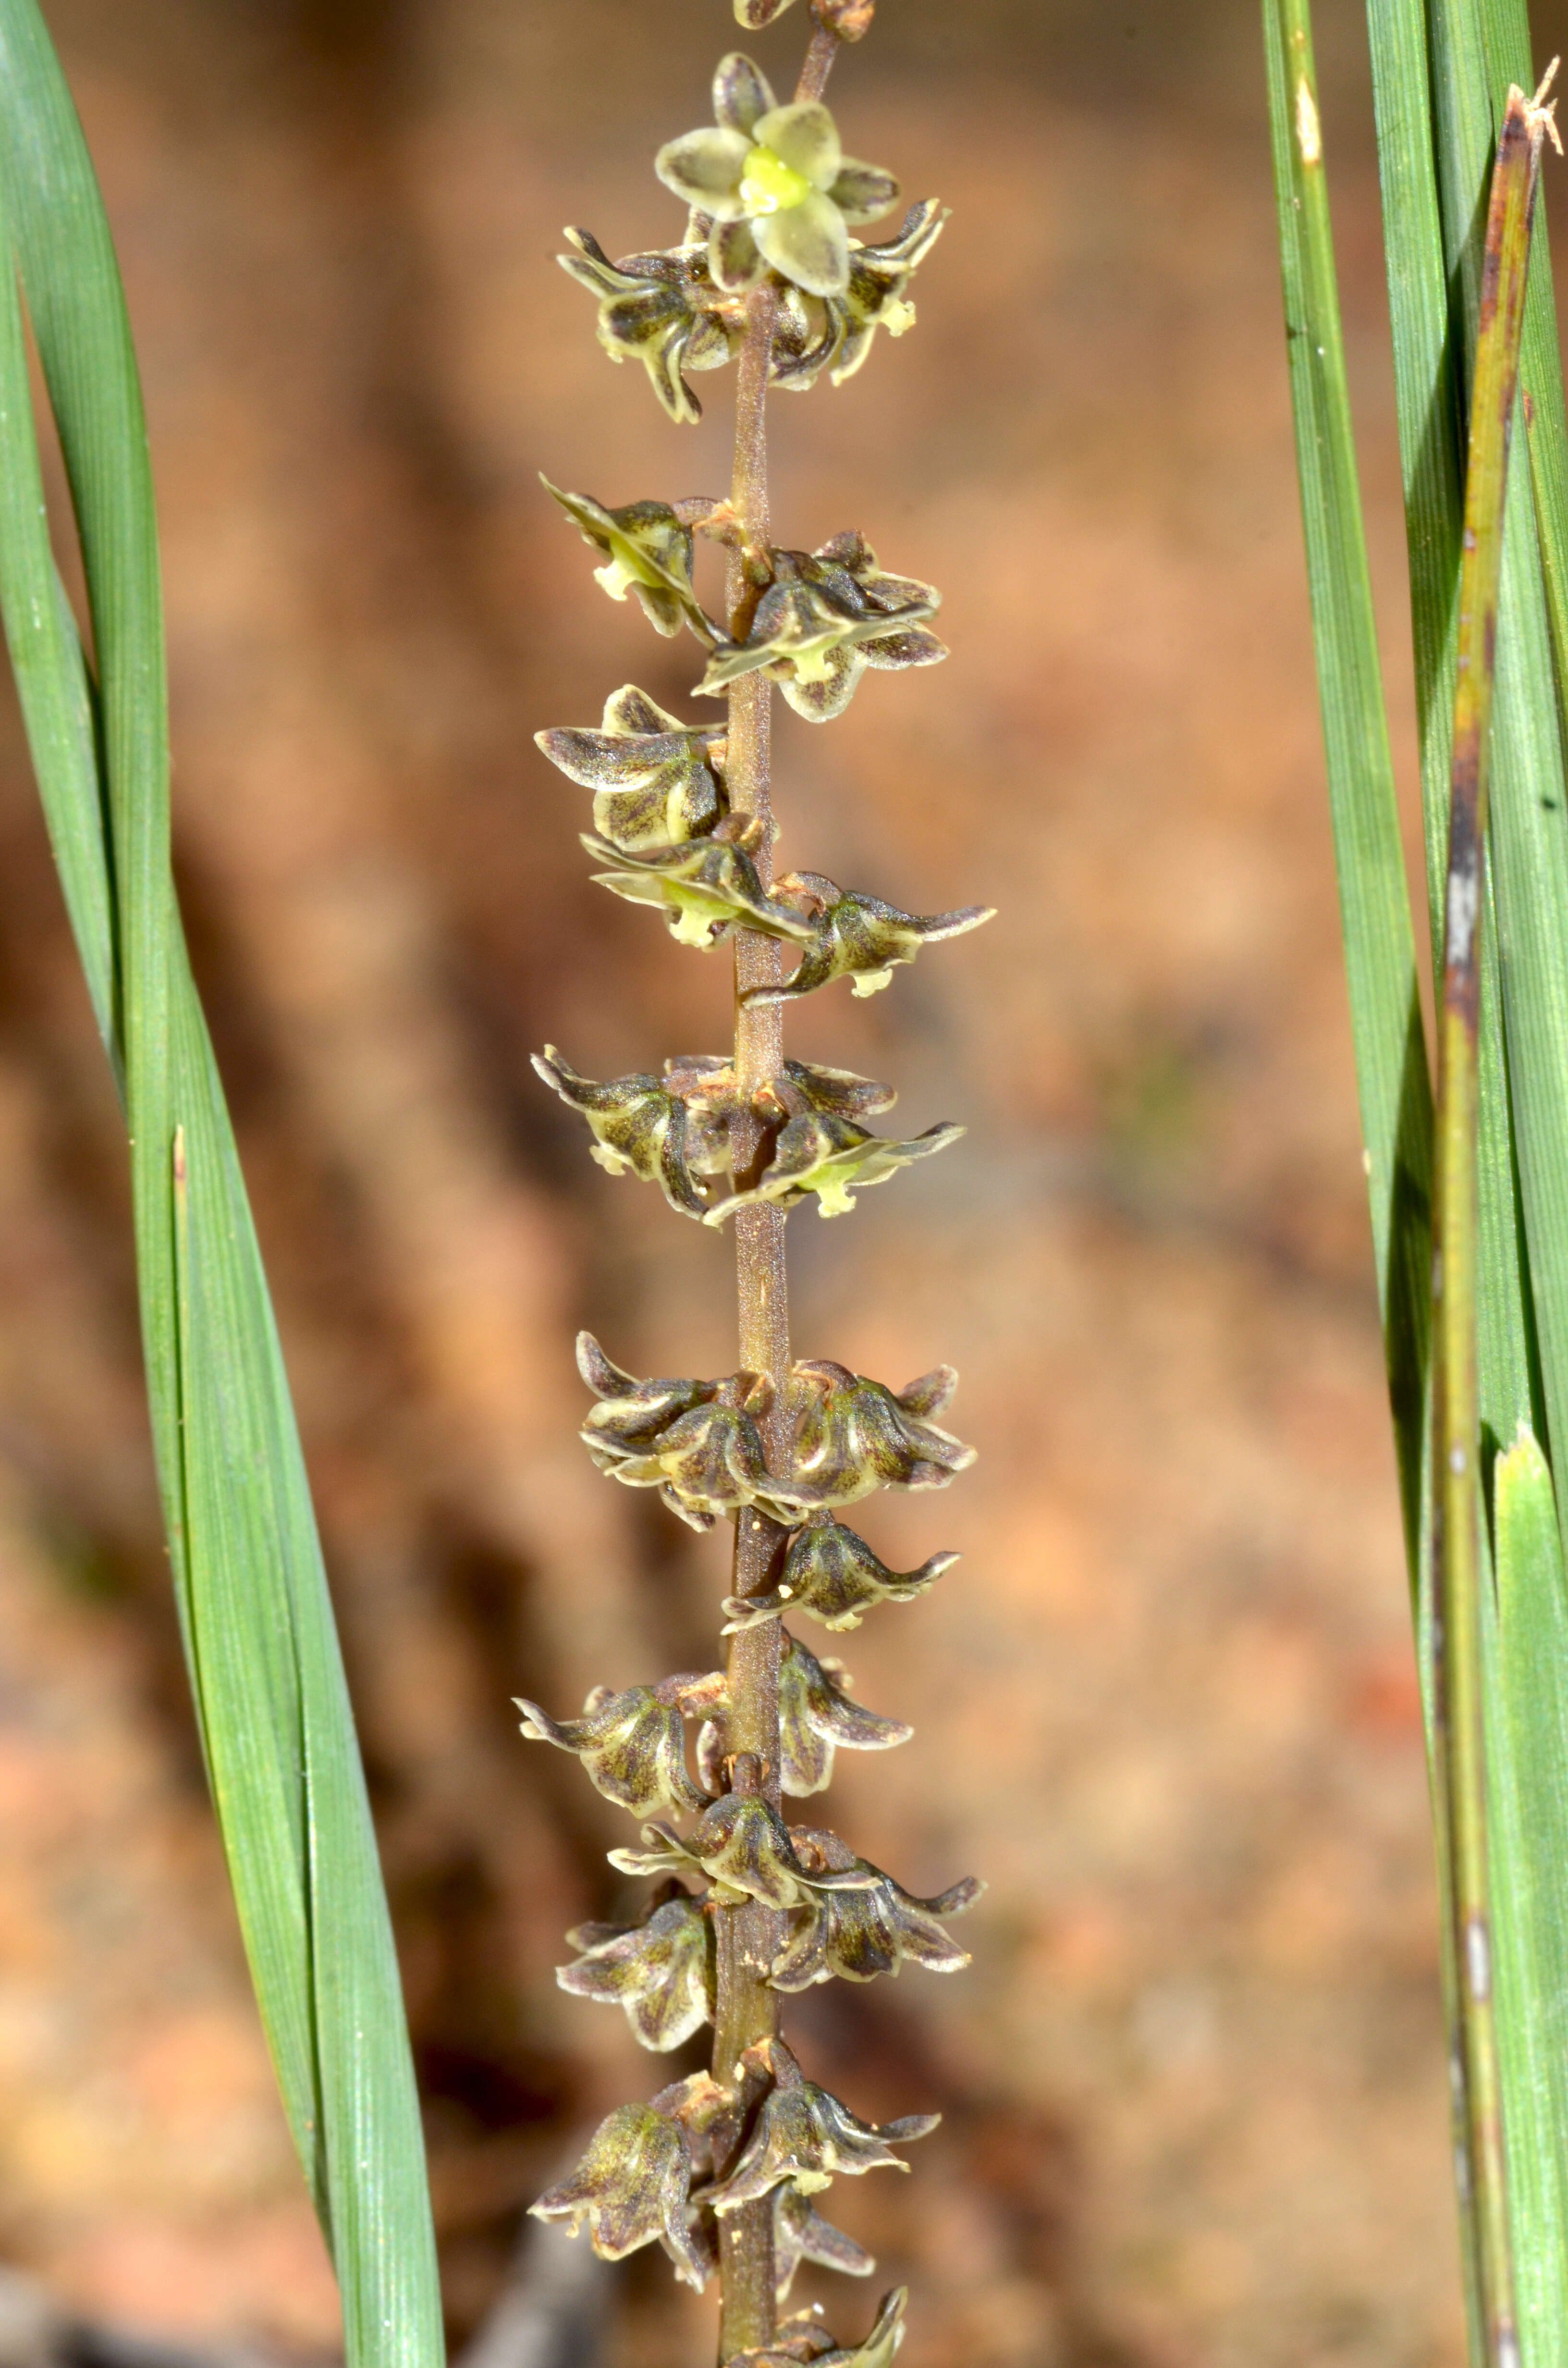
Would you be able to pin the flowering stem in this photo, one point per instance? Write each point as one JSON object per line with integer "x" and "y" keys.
{"x": 749, "y": 1937}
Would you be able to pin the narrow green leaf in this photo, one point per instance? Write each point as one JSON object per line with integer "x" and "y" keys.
{"x": 1380, "y": 952}
{"x": 1527, "y": 1648}
{"x": 271, "y": 1702}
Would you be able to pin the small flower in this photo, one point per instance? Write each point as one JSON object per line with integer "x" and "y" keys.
{"x": 804, "y": 2135}
{"x": 833, "y": 1576}
{"x": 853, "y": 1435}
{"x": 639, "y": 1127}
{"x": 835, "y": 332}
{"x": 743, "y": 1845}
{"x": 661, "y": 310}
{"x": 660, "y": 1971}
{"x": 804, "y": 2342}
{"x": 708, "y": 888}
{"x": 828, "y": 1157}
{"x": 859, "y": 1934}
{"x": 632, "y": 1744}
{"x": 647, "y": 551}
{"x": 657, "y": 781}
{"x": 860, "y": 939}
{"x": 775, "y": 184}
{"x": 800, "y": 2234}
{"x": 816, "y": 1716}
{"x": 696, "y": 1441}
{"x": 633, "y": 2184}
{"x": 824, "y": 618}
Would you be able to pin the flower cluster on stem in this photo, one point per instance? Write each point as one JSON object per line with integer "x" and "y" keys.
{"x": 722, "y": 2169}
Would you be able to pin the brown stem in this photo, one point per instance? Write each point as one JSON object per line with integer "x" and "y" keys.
{"x": 749, "y": 1937}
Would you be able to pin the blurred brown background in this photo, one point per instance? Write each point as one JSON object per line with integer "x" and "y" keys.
{"x": 1193, "y": 2082}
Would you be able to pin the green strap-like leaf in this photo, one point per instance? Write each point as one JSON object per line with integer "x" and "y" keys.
{"x": 1379, "y": 951}
{"x": 272, "y": 1704}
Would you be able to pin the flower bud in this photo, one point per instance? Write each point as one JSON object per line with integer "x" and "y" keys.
{"x": 861, "y": 939}
{"x": 832, "y": 1575}
{"x": 804, "y": 2136}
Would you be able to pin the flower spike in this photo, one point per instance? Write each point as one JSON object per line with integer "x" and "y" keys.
{"x": 826, "y": 617}
{"x": 633, "y": 2184}
{"x": 861, "y": 939}
{"x": 657, "y": 781}
{"x": 632, "y": 1744}
{"x": 660, "y": 1971}
{"x": 775, "y": 184}
{"x": 853, "y": 1435}
{"x": 816, "y": 1717}
{"x": 828, "y": 1157}
{"x": 804, "y": 2136}
{"x": 647, "y": 551}
{"x": 832, "y": 1575}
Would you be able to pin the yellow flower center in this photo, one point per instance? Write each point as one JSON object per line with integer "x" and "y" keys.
{"x": 768, "y": 185}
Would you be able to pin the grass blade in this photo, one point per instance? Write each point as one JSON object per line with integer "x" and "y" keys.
{"x": 272, "y": 1705}
{"x": 1379, "y": 951}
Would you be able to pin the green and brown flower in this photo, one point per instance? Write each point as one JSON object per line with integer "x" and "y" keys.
{"x": 856, "y": 1935}
{"x": 853, "y": 1435}
{"x": 662, "y": 309}
{"x": 775, "y": 184}
{"x": 833, "y": 1158}
{"x": 660, "y": 1971}
{"x": 860, "y": 938}
{"x": 805, "y": 2136}
{"x": 743, "y": 1845}
{"x": 632, "y": 1744}
{"x": 817, "y": 1716}
{"x": 707, "y": 889}
{"x": 826, "y": 616}
{"x": 657, "y": 782}
{"x": 835, "y": 332}
{"x": 647, "y": 550}
{"x": 833, "y": 1576}
{"x": 801, "y": 2234}
{"x": 633, "y": 2184}
{"x": 803, "y": 2341}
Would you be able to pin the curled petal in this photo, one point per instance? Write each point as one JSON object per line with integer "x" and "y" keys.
{"x": 801, "y": 2234}
{"x": 863, "y": 939}
{"x": 833, "y": 1576}
{"x": 816, "y": 1717}
{"x": 839, "y": 1092}
{"x": 803, "y": 136}
{"x": 633, "y": 2185}
{"x": 707, "y": 889}
{"x": 661, "y": 1971}
{"x": 832, "y": 1157}
{"x": 741, "y": 92}
{"x": 853, "y": 1435}
{"x": 656, "y": 782}
{"x": 632, "y": 1746}
{"x": 705, "y": 168}
{"x": 755, "y": 14}
{"x": 804, "y": 2136}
